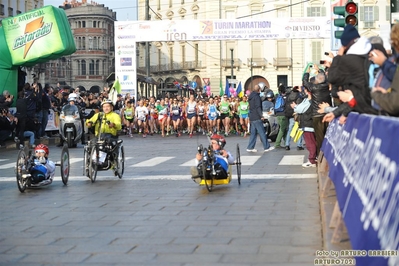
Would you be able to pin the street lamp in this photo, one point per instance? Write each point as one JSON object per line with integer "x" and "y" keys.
{"x": 232, "y": 63}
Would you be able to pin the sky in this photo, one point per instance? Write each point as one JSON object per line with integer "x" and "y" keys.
{"x": 125, "y": 10}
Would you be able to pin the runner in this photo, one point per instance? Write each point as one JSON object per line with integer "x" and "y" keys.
{"x": 191, "y": 113}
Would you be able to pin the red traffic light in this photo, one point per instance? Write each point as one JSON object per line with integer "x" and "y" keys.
{"x": 351, "y": 8}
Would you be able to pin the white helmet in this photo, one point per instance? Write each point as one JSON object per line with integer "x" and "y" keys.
{"x": 261, "y": 85}
{"x": 72, "y": 97}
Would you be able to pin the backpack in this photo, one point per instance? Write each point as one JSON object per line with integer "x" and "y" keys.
{"x": 279, "y": 105}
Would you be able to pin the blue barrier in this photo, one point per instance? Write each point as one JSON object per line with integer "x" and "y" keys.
{"x": 363, "y": 159}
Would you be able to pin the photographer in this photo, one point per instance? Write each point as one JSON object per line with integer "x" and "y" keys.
{"x": 7, "y": 125}
{"x": 6, "y": 99}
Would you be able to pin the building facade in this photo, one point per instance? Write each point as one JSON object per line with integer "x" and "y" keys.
{"x": 11, "y": 8}
{"x": 270, "y": 61}
{"x": 92, "y": 26}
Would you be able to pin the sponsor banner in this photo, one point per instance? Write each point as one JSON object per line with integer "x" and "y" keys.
{"x": 363, "y": 164}
{"x": 223, "y": 29}
{"x": 53, "y": 121}
{"x": 125, "y": 61}
{"x": 38, "y": 36}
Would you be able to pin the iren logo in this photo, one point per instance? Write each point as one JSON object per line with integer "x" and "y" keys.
{"x": 34, "y": 30}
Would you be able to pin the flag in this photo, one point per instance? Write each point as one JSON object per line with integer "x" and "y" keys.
{"x": 239, "y": 90}
{"x": 221, "y": 92}
{"x": 227, "y": 89}
{"x": 117, "y": 86}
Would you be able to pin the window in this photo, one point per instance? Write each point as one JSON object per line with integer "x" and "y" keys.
{"x": 83, "y": 67}
{"x": 97, "y": 67}
{"x": 1, "y": 10}
{"x": 368, "y": 14}
{"x": 83, "y": 24}
{"x": 256, "y": 49}
{"x": 316, "y": 52}
{"x": 282, "y": 48}
{"x": 316, "y": 11}
{"x": 10, "y": 12}
{"x": 91, "y": 67}
{"x": 282, "y": 13}
{"x": 94, "y": 24}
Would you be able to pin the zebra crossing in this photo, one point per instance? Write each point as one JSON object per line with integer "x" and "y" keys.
{"x": 135, "y": 162}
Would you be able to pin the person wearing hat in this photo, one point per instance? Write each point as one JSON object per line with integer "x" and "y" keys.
{"x": 349, "y": 70}
{"x": 108, "y": 123}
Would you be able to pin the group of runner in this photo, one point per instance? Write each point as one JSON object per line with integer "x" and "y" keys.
{"x": 180, "y": 115}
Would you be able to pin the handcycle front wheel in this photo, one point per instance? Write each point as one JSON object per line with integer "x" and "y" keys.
{"x": 94, "y": 159}
{"x": 120, "y": 162}
{"x": 238, "y": 164}
{"x": 207, "y": 180}
{"x": 65, "y": 164}
{"x": 21, "y": 170}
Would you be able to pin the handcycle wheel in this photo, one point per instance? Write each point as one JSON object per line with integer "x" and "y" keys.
{"x": 238, "y": 163}
{"x": 21, "y": 169}
{"x": 94, "y": 159}
{"x": 207, "y": 180}
{"x": 65, "y": 165}
{"x": 86, "y": 161}
{"x": 120, "y": 162}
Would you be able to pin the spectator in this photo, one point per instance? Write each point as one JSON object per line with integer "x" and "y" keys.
{"x": 320, "y": 93}
{"x": 6, "y": 100}
{"x": 256, "y": 125}
{"x": 280, "y": 114}
{"x": 386, "y": 94}
{"x": 305, "y": 112}
{"x": 46, "y": 106}
{"x": 349, "y": 70}
{"x": 293, "y": 97}
{"x": 7, "y": 125}
{"x": 21, "y": 114}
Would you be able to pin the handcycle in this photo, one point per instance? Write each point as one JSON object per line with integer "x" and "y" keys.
{"x": 25, "y": 163}
{"x": 101, "y": 154}
{"x": 210, "y": 175}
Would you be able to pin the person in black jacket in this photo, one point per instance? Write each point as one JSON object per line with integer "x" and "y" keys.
{"x": 293, "y": 97}
{"x": 319, "y": 90}
{"x": 46, "y": 106}
{"x": 256, "y": 125}
{"x": 7, "y": 125}
{"x": 349, "y": 70}
{"x": 21, "y": 114}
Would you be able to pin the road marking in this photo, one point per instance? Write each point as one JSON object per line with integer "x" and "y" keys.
{"x": 152, "y": 162}
{"x": 244, "y": 178}
{"x": 189, "y": 163}
{"x": 291, "y": 160}
{"x": 8, "y": 165}
{"x": 249, "y": 160}
{"x": 2, "y": 160}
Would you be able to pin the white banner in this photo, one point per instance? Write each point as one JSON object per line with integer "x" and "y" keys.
{"x": 223, "y": 29}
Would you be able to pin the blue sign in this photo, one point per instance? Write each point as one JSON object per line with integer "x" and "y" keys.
{"x": 363, "y": 159}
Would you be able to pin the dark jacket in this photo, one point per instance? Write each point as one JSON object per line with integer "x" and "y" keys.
{"x": 293, "y": 96}
{"x": 350, "y": 71}
{"x": 255, "y": 106}
{"x": 306, "y": 119}
{"x": 21, "y": 108}
{"x": 31, "y": 100}
{"x": 320, "y": 93}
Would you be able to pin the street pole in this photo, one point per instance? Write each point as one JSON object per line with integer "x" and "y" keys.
{"x": 232, "y": 63}
{"x": 147, "y": 45}
{"x": 252, "y": 76}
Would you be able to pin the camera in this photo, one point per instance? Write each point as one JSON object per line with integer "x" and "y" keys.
{"x": 326, "y": 53}
{"x": 322, "y": 61}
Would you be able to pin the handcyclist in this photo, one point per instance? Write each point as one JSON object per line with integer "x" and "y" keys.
{"x": 222, "y": 160}
{"x": 110, "y": 122}
{"x": 42, "y": 172}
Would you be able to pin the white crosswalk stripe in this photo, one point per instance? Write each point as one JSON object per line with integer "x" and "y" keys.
{"x": 152, "y": 162}
{"x": 245, "y": 160}
{"x": 8, "y": 165}
{"x": 291, "y": 160}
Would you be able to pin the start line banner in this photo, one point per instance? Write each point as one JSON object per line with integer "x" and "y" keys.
{"x": 223, "y": 29}
{"x": 363, "y": 159}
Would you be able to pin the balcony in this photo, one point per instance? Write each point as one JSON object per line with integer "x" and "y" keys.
{"x": 282, "y": 62}
{"x": 226, "y": 63}
{"x": 172, "y": 68}
{"x": 257, "y": 63}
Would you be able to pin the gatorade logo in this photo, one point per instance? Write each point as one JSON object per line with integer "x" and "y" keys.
{"x": 34, "y": 30}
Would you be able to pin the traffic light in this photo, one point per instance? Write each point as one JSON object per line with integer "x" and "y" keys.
{"x": 348, "y": 14}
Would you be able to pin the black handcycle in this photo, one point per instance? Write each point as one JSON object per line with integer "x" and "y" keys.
{"x": 103, "y": 154}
